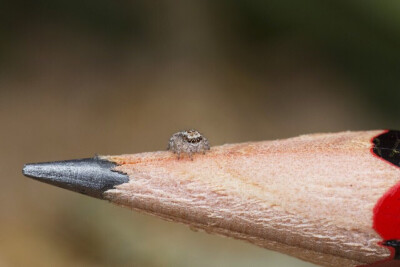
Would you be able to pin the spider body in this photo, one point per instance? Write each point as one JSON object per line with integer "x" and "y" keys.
{"x": 188, "y": 142}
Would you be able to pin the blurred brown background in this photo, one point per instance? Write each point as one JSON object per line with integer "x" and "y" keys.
{"x": 79, "y": 77}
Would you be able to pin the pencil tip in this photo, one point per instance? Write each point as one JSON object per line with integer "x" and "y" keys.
{"x": 91, "y": 176}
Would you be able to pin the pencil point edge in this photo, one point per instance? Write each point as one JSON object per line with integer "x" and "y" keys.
{"x": 88, "y": 176}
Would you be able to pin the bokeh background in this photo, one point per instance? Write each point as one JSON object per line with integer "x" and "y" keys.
{"x": 80, "y": 77}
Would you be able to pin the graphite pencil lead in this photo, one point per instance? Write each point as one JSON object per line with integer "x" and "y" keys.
{"x": 90, "y": 176}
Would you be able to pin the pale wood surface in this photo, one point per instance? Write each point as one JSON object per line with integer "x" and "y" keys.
{"x": 310, "y": 196}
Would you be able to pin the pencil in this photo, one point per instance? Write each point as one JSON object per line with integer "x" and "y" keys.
{"x": 331, "y": 199}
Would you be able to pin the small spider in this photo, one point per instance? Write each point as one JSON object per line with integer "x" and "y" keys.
{"x": 188, "y": 142}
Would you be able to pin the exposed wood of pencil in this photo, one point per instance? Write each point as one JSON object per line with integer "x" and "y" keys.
{"x": 310, "y": 197}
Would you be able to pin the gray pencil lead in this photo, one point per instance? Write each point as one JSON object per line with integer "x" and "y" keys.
{"x": 90, "y": 176}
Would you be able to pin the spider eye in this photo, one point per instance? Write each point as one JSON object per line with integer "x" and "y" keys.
{"x": 195, "y": 140}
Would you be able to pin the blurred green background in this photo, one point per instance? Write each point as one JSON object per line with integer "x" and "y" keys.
{"x": 113, "y": 77}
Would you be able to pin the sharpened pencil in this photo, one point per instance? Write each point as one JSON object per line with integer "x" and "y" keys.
{"x": 330, "y": 199}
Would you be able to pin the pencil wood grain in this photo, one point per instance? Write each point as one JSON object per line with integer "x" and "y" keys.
{"x": 311, "y": 197}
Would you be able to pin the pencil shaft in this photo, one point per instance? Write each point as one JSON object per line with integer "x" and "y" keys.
{"x": 311, "y": 197}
